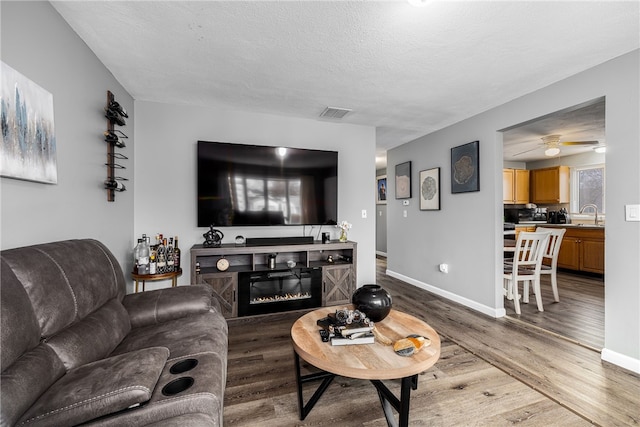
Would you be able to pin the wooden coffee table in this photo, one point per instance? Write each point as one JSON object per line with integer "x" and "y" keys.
{"x": 374, "y": 362}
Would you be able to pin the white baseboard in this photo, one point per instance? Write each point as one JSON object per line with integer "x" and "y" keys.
{"x": 383, "y": 254}
{"x": 489, "y": 311}
{"x": 621, "y": 360}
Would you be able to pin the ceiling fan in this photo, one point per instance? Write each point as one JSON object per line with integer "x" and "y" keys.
{"x": 551, "y": 144}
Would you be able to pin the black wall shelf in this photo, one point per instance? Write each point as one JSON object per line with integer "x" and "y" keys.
{"x": 114, "y": 138}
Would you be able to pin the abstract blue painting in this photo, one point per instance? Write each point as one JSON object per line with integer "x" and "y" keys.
{"x": 28, "y": 136}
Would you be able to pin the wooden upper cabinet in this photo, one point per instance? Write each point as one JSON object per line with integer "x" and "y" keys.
{"x": 550, "y": 185}
{"x": 515, "y": 186}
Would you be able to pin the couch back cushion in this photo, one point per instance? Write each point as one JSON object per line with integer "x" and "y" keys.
{"x": 19, "y": 329}
{"x": 93, "y": 337}
{"x": 66, "y": 280}
{"x": 28, "y": 368}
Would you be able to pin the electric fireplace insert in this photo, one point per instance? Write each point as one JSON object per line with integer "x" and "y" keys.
{"x": 272, "y": 291}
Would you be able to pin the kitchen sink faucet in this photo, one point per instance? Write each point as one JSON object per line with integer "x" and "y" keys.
{"x": 595, "y": 209}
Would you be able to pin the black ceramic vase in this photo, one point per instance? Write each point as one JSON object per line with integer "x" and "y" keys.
{"x": 373, "y": 301}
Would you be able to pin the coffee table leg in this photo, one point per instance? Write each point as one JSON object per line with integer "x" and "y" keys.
{"x": 389, "y": 401}
{"x": 327, "y": 377}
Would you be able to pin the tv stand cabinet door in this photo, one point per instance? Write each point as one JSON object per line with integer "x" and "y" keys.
{"x": 225, "y": 286}
{"x": 338, "y": 284}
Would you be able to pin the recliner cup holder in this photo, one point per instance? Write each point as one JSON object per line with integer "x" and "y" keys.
{"x": 176, "y": 386}
{"x": 183, "y": 366}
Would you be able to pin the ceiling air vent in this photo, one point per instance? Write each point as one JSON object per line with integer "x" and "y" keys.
{"x": 334, "y": 113}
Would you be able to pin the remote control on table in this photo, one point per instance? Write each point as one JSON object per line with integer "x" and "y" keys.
{"x": 324, "y": 335}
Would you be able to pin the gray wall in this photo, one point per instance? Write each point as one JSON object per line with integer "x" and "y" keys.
{"x": 467, "y": 232}
{"x": 38, "y": 43}
{"x": 166, "y": 137}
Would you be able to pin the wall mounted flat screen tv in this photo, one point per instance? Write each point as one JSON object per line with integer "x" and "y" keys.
{"x": 253, "y": 185}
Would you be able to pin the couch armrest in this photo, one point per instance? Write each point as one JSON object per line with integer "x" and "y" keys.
{"x": 99, "y": 388}
{"x": 162, "y": 305}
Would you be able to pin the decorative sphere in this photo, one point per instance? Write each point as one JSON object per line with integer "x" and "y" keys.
{"x": 373, "y": 301}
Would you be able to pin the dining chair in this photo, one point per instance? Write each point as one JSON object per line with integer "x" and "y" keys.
{"x": 550, "y": 257}
{"x": 526, "y": 265}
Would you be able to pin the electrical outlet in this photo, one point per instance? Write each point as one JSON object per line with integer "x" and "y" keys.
{"x": 364, "y": 213}
{"x": 404, "y": 213}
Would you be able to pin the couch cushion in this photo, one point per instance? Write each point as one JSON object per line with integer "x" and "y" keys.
{"x": 26, "y": 379}
{"x": 200, "y": 333}
{"x": 66, "y": 280}
{"x": 161, "y": 305}
{"x": 93, "y": 337}
{"x": 99, "y": 388}
{"x": 19, "y": 329}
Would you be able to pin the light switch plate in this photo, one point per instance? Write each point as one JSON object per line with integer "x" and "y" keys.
{"x": 632, "y": 212}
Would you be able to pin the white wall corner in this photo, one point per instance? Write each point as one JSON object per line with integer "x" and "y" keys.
{"x": 621, "y": 360}
{"x": 493, "y": 312}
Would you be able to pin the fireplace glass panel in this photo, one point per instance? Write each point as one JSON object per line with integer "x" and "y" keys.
{"x": 279, "y": 290}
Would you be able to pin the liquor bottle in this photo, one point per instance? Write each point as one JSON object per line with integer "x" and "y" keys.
{"x": 176, "y": 254}
{"x": 143, "y": 256}
{"x": 136, "y": 254}
{"x": 161, "y": 261}
{"x": 152, "y": 264}
{"x": 153, "y": 250}
{"x": 170, "y": 256}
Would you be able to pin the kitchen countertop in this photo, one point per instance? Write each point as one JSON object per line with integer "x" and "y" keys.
{"x": 544, "y": 224}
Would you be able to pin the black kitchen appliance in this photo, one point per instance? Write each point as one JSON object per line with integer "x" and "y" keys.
{"x": 563, "y": 216}
{"x": 517, "y": 216}
{"x": 552, "y": 217}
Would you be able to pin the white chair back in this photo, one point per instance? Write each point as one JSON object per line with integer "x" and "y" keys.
{"x": 530, "y": 249}
{"x": 555, "y": 240}
{"x": 553, "y": 249}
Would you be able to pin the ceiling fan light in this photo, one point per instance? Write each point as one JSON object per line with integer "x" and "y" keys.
{"x": 552, "y": 151}
{"x": 600, "y": 150}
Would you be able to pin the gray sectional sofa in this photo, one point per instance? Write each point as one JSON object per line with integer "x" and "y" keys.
{"x": 76, "y": 350}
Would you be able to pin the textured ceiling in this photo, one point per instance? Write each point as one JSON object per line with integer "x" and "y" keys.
{"x": 406, "y": 71}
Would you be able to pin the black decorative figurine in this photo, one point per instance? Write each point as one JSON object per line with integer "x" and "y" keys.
{"x": 212, "y": 238}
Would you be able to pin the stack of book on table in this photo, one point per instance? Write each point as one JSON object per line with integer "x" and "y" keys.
{"x": 354, "y": 333}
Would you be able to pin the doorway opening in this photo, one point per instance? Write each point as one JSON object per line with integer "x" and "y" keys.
{"x": 576, "y": 132}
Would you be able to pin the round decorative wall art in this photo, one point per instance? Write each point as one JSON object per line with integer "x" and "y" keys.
{"x": 430, "y": 190}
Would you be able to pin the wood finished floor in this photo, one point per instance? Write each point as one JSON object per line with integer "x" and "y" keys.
{"x": 492, "y": 372}
{"x": 579, "y": 315}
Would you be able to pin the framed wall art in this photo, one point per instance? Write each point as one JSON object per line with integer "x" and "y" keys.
{"x": 381, "y": 189}
{"x": 28, "y": 137}
{"x": 465, "y": 168}
{"x": 430, "y": 190}
{"x": 403, "y": 180}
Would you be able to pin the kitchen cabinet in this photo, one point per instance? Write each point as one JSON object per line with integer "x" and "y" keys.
{"x": 515, "y": 186}
{"x": 582, "y": 249}
{"x": 550, "y": 185}
{"x": 520, "y": 228}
